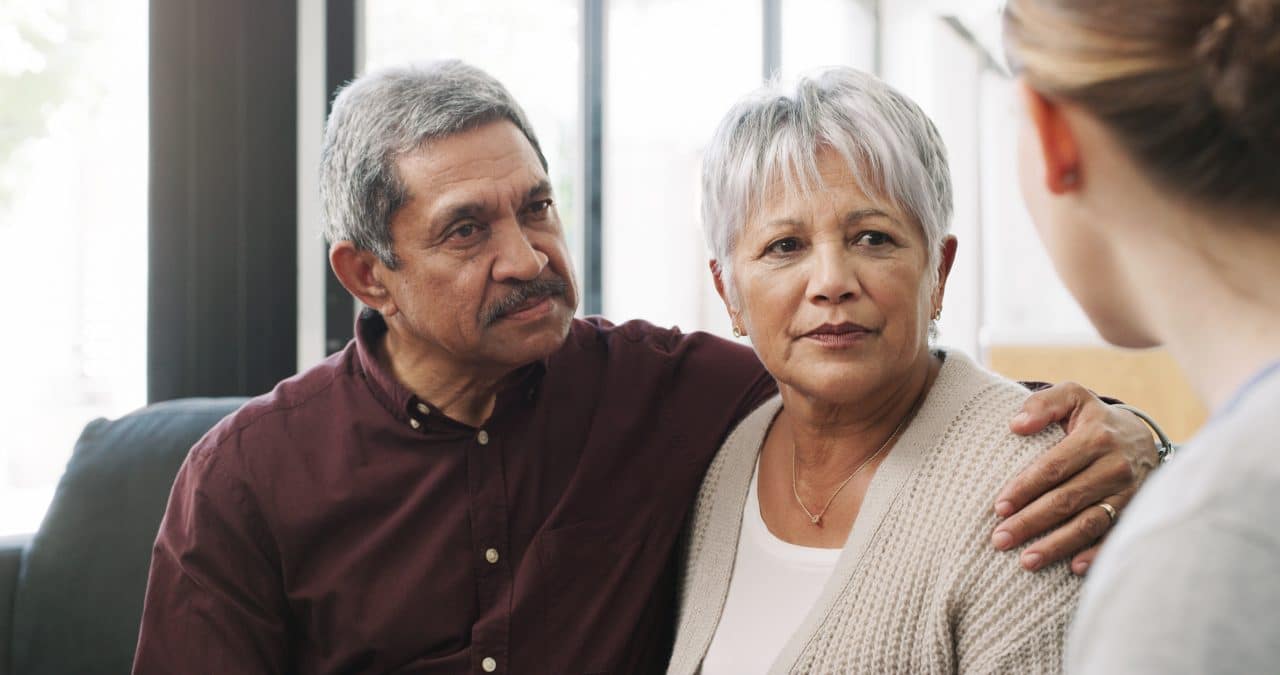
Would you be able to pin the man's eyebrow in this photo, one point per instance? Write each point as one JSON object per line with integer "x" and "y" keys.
{"x": 464, "y": 210}
{"x": 458, "y": 212}
{"x": 541, "y": 189}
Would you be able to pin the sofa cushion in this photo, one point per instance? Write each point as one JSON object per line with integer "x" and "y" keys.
{"x": 11, "y": 548}
{"x": 80, "y": 589}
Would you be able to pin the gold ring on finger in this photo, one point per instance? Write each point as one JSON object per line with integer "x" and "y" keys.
{"x": 1111, "y": 510}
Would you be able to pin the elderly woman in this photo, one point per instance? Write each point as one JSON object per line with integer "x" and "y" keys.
{"x": 843, "y": 527}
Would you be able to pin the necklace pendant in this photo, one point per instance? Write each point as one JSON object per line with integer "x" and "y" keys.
{"x": 816, "y": 519}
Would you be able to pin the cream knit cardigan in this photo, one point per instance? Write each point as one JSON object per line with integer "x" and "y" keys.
{"x": 918, "y": 587}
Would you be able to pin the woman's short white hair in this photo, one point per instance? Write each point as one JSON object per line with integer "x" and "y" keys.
{"x": 776, "y": 132}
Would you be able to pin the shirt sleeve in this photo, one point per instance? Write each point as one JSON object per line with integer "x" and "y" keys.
{"x": 1040, "y": 386}
{"x": 214, "y": 602}
{"x": 739, "y": 365}
{"x": 1195, "y": 596}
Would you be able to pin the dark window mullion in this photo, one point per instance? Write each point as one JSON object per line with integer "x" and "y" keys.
{"x": 593, "y": 84}
{"x": 340, "y": 68}
{"x": 771, "y": 54}
{"x": 222, "y": 203}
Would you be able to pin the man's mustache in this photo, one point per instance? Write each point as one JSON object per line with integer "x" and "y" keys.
{"x": 522, "y": 293}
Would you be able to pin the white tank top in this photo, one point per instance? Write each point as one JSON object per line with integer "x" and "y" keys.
{"x": 774, "y": 584}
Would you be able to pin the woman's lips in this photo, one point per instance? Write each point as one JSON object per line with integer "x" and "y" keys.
{"x": 838, "y": 335}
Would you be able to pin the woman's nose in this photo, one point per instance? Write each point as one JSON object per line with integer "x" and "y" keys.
{"x": 833, "y": 279}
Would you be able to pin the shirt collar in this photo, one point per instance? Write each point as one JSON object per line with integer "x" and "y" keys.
{"x": 400, "y": 401}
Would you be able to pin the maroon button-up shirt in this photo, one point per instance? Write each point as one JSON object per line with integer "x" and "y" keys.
{"x": 341, "y": 525}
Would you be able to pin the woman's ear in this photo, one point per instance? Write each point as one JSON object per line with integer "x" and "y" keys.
{"x": 717, "y": 276}
{"x": 358, "y": 271}
{"x": 948, "y": 258}
{"x": 1059, "y": 148}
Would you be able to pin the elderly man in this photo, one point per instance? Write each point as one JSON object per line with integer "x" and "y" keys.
{"x": 479, "y": 482}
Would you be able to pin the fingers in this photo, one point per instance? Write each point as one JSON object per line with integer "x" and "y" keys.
{"x": 1091, "y": 435}
{"x": 1110, "y": 475}
{"x": 1078, "y": 534}
{"x": 1047, "y": 406}
{"x": 1103, "y": 457}
{"x": 1057, "y": 465}
{"x": 1084, "y": 559}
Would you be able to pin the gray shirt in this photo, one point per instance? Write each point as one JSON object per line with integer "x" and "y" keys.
{"x": 1189, "y": 582}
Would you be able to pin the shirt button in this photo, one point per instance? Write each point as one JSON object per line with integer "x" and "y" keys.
{"x": 483, "y": 437}
{"x": 424, "y": 409}
{"x": 489, "y": 664}
{"x": 492, "y": 556}
{"x": 414, "y": 423}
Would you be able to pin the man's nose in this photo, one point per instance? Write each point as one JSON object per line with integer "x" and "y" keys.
{"x": 517, "y": 258}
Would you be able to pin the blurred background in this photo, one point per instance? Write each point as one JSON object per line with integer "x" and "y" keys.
{"x": 158, "y": 195}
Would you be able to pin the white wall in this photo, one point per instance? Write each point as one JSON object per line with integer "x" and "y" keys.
{"x": 927, "y": 60}
{"x": 1003, "y": 288}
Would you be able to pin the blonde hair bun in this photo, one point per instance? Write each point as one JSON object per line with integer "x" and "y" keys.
{"x": 1241, "y": 54}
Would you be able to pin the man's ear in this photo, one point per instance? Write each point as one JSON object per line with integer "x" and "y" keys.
{"x": 1059, "y": 149}
{"x": 949, "y": 247}
{"x": 360, "y": 272}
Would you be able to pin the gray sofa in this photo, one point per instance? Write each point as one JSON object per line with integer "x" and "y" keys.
{"x": 71, "y": 595}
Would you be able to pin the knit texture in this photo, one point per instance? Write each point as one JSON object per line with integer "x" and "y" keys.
{"x": 918, "y": 588}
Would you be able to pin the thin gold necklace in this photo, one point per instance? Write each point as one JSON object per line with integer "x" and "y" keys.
{"x": 817, "y": 519}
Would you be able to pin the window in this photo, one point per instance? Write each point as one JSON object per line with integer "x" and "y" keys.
{"x": 73, "y": 196}
{"x": 662, "y": 105}
{"x": 817, "y": 33}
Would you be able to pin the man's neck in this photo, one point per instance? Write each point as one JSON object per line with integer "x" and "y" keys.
{"x": 464, "y": 393}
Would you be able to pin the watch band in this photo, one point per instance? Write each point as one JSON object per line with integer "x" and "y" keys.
{"x": 1166, "y": 448}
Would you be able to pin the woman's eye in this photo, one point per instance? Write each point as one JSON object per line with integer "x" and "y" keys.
{"x": 873, "y": 239}
{"x": 784, "y": 246}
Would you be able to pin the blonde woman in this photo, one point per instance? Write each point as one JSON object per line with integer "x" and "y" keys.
{"x": 1151, "y": 157}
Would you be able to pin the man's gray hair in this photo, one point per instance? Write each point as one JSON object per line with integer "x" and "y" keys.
{"x": 775, "y": 133}
{"x": 382, "y": 116}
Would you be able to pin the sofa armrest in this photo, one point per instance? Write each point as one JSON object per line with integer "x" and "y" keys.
{"x": 11, "y": 549}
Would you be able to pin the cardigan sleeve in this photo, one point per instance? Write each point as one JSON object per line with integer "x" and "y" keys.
{"x": 1009, "y": 620}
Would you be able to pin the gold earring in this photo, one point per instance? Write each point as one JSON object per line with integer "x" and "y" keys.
{"x": 737, "y": 332}
{"x": 937, "y": 314}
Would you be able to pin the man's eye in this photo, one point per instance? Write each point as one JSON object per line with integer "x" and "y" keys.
{"x": 783, "y": 246}
{"x": 873, "y": 239}
{"x": 465, "y": 231}
{"x": 540, "y": 206}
